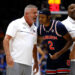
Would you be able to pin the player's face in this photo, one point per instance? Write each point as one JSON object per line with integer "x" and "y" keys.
{"x": 71, "y": 11}
{"x": 42, "y": 19}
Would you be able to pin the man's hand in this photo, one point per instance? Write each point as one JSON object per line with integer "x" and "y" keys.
{"x": 54, "y": 56}
{"x": 35, "y": 68}
{"x": 10, "y": 61}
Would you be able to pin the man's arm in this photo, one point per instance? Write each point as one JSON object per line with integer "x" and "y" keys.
{"x": 35, "y": 58}
{"x": 35, "y": 54}
{"x": 6, "y": 49}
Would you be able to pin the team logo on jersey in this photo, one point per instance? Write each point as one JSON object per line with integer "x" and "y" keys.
{"x": 50, "y": 37}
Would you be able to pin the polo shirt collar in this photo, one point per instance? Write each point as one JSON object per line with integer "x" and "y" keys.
{"x": 71, "y": 20}
{"x": 25, "y": 23}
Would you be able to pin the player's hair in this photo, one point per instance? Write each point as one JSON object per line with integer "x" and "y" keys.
{"x": 28, "y": 7}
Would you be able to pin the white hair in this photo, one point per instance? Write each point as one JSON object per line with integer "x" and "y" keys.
{"x": 28, "y": 7}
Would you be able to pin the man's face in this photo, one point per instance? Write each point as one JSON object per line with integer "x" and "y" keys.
{"x": 42, "y": 19}
{"x": 33, "y": 14}
{"x": 71, "y": 11}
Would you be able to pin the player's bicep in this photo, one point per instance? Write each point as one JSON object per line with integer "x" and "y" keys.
{"x": 67, "y": 37}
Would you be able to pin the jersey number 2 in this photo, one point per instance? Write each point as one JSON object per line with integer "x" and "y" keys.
{"x": 51, "y": 45}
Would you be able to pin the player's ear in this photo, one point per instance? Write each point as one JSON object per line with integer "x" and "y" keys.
{"x": 49, "y": 17}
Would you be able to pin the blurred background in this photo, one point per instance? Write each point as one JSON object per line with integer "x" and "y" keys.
{"x": 13, "y": 9}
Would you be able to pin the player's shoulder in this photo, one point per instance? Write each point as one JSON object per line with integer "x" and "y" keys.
{"x": 56, "y": 22}
{"x": 60, "y": 24}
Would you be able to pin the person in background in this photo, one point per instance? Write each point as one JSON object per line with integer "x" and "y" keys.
{"x": 2, "y": 62}
{"x": 70, "y": 25}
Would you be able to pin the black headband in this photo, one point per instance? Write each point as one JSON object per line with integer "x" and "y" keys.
{"x": 45, "y": 12}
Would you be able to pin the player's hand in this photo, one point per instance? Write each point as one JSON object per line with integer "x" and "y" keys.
{"x": 39, "y": 62}
{"x": 10, "y": 61}
{"x": 35, "y": 68}
{"x": 54, "y": 56}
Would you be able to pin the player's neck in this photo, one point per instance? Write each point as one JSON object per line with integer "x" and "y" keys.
{"x": 47, "y": 24}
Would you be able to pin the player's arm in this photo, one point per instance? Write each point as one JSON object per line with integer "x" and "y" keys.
{"x": 10, "y": 33}
{"x": 35, "y": 58}
{"x": 42, "y": 54}
{"x": 65, "y": 34}
{"x": 63, "y": 31}
{"x": 68, "y": 38}
{"x": 6, "y": 49}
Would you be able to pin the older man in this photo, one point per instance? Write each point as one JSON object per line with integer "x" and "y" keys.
{"x": 20, "y": 43}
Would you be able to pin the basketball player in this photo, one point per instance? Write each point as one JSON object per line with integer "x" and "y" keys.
{"x": 57, "y": 40}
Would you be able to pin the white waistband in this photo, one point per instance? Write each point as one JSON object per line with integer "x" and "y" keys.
{"x": 72, "y": 59}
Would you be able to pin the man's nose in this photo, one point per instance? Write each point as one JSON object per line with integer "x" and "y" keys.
{"x": 36, "y": 14}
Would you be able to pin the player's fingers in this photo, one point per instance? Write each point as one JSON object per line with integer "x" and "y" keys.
{"x": 36, "y": 71}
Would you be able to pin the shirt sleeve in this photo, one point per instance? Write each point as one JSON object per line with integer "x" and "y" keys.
{"x": 61, "y": 29}
{"x": 12, "y": 29}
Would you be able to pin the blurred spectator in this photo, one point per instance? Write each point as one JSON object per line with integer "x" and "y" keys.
{"x": 2, "y": 63}
{"x": 45, "y": 4}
